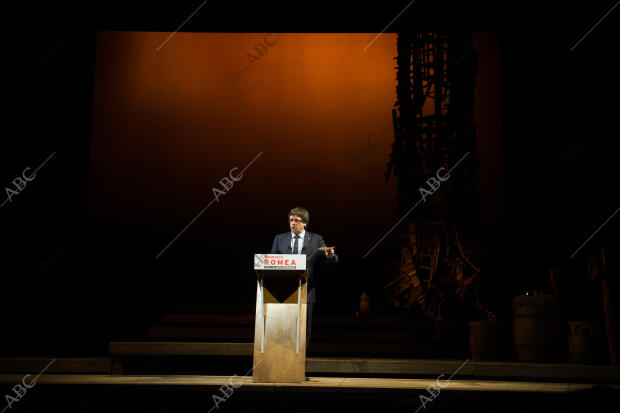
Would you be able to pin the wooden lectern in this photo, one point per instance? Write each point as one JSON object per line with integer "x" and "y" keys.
{"x": 280, "y": 327}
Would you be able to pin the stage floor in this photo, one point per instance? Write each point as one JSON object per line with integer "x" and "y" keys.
{"x": 320, "y": 384}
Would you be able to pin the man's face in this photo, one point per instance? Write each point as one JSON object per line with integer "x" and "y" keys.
{"x": 296, "y": 225}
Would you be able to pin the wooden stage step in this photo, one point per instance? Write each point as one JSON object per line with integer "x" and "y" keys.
{"x": 332, "y": 335}
{"x": 101, "y": 365}
{"x": 247, "y": 333}
{"x": 243, "y": 349}
{"x": 487, "y": 369}
{"x": 382, "y": 366}
{"x": 158, "y": 348}
{"x": 349, "y": 385}
{"x": 320, "y": 320}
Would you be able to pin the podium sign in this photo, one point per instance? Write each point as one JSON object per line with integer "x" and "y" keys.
{"x": 280, "y": 327}
{"x": 279, "y": 261}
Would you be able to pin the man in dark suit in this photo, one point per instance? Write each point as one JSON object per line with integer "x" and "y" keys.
{"x": 300, "y": 241}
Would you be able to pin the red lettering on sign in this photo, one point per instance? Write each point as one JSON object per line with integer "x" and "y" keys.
{"x": 293, "y": 262}
{"x": 285, "y": 262}
{"x": 280, "y": 262}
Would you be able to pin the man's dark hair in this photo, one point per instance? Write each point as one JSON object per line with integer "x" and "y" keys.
{"x": 301, "y": 213}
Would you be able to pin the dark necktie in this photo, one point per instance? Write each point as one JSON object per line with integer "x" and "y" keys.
{"x": 296, "y": 244}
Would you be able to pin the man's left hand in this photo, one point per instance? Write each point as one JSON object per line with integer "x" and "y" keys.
{"x": 329, "y": 253}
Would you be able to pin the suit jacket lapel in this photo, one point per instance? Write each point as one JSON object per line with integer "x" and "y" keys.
{"x": 306, "y": 243}
{"x": 287, "y": 244}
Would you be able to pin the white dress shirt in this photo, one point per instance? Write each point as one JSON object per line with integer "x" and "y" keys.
{"x": 300, "y": 241}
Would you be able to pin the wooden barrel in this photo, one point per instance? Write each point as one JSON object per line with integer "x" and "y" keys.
{"x": 536, "y": 327}
{"x": 482, "y": 340}
{"x": 583, "y": 341}
{"x": 364, "y": 304}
